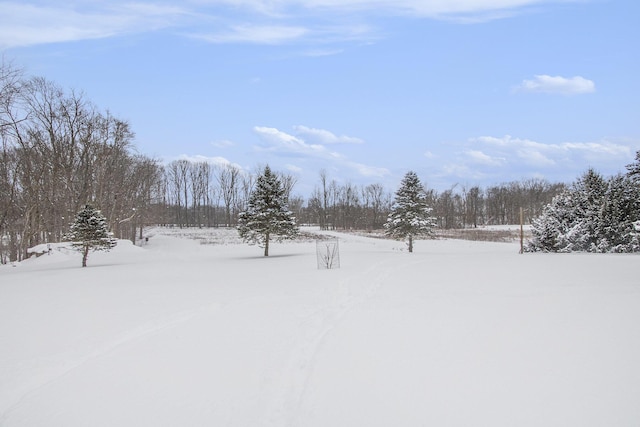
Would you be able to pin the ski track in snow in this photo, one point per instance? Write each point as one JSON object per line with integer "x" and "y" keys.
{"x": 314, "y": 330}
{"x": 72, "y": 360}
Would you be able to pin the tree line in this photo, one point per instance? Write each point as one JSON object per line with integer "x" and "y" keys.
{"x": 60, "y": 152}
{"x": 196, "y": 193}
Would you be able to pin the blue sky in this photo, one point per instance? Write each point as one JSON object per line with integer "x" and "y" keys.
{"x": 463, "y": 92}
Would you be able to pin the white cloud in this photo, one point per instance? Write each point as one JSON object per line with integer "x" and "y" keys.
{"x": 368, "y": 171}
{"x": 607, "y": 148}
{"x": 490, "y": 160}
{"x": 466, "y": 10}
{"x": 325, "y": 137}
{"x": 214, "y": 161}
{"x": 525, "y": 154}
{"x": 525, "y": 148}
{"x": 225, "y": 143}
{"x": 536, "y": 158}
{"x": 258, "y": 34}
{"x": 316, "y": 53}
{"x": 557, "y": 85}
{"x": 505, "y": 140}
{"x": 477, "y": 156}
{"x": 320, "y": 38}
{"x": 529, "y": 152}
{"x": 29, "y": 24}
{"x": 284, "y": 144}
{"x": 461, "y": 171}
{"x": 236, "y": 21}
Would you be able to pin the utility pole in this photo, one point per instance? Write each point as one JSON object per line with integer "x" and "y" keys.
{"x": 521, "y": 231}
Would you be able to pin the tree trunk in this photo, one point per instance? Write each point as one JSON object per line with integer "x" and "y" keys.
{"x": 410, "y": 243}
{"x": 266, "y": 245}
{"x": 85, "y": 255}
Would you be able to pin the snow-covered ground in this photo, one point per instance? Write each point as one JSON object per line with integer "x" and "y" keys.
{"x": 458, "y": 333}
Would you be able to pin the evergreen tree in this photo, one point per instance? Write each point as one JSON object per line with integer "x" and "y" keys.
{"x": 89, "y": 232}
{"x": 550, "y": 228}
{"x": 570, "y": 222}
{"x": 593, "y": 215}
{"x": 410, "y": 214}
{"x": 634, "y": 168}
{"x": 589, "y": 194}
{"x": 619, "y": 216}
{"x": 267, "y": 216}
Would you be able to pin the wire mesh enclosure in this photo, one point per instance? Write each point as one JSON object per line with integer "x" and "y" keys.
{"x": 328, "y": 254}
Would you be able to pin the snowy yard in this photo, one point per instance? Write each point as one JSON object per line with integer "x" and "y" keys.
{"x": 459, "y": 333}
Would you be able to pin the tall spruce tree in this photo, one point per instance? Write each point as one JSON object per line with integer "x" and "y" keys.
{"x": 619, "y": 216}
{"x": 267, "y": 216}
{"x": 89, "y": 232}
{"x": 410, "y": 214}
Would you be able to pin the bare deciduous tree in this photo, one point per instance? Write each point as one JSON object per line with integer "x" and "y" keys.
{"x": 228, "y": 177}
{"x": 58, "y": 153}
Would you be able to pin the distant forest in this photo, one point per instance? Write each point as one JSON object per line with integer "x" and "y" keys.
{"x": 59, "y": 151}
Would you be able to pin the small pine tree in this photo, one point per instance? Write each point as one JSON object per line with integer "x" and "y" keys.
{"x": 410, "y": 214}
{"x": 89, "y": 232}
{"x": 267, "y": 216}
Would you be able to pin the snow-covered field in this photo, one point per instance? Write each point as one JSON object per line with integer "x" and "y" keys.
{"x": 458, "y": 333}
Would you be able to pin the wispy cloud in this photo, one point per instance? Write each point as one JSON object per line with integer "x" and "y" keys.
{"x": 460, "y": 171}
{"x": 318, "y": 38}
{"x": 477, "y": 156}
{"x": 256, "y": 34}
{"x": 524, "y": 151}
{"x": 322, "y": 136}
{"x": 225, "y": 143}
{"x": 212, "y": 160}
{"x": 316, "y": 53}
{"x": 23, "y": 24}
{"x": 368, "y": 171}
{"x": 503, "y": 158}
{"x": 284, "y": 144}
{"x": 557, "y": 85}
{"x": 466, "y": 10}
{"x": 523, "y": 147}
{"x": 320, "y": 23}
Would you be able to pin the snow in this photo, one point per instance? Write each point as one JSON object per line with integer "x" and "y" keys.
{"x": 458, "y": 333}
